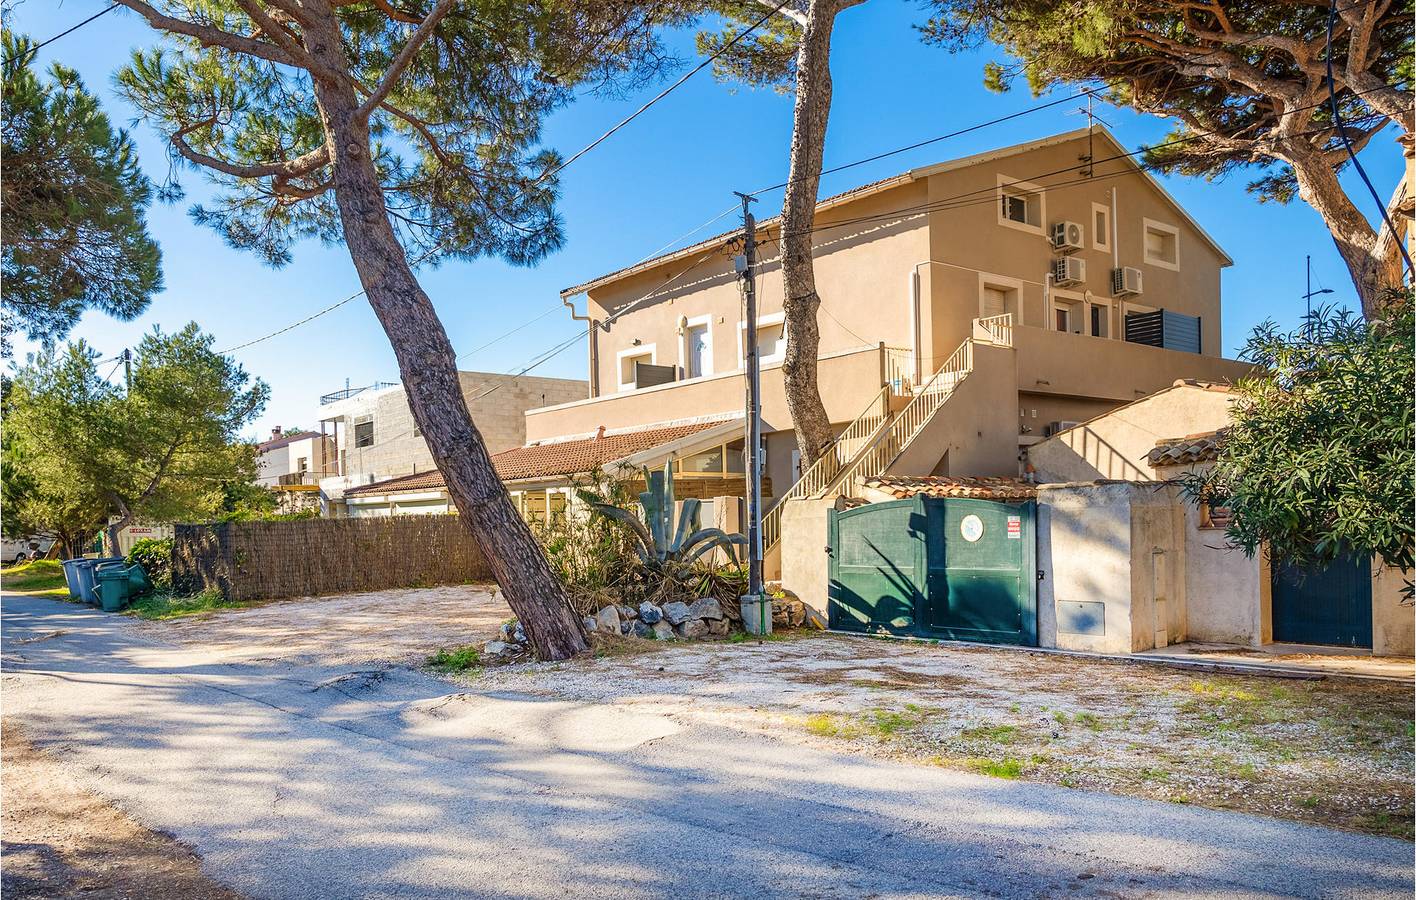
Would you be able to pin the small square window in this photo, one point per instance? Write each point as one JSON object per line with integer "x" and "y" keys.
{"x": 364, "y": 432}
{"x": 1162, "y": 244}
{"x": 1015, "y": 208}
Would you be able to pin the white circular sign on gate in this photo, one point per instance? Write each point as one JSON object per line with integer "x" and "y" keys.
{"x": 971, "y": 527}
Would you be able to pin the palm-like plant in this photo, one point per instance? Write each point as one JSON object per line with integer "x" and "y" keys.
{"x": 660, "y": 542}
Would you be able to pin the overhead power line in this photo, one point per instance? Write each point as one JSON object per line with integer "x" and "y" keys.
{"x": 67, "y": 31}
{"x": 556, "y": 170}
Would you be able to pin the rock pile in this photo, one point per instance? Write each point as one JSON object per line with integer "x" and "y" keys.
{"x": 703, "y": 618}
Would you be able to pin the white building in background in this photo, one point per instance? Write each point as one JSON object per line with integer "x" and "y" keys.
{"x": 374, "y": 437}
{"x": 292, "y": 464}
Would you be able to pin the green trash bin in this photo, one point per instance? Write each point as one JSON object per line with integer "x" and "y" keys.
{"x": 112, "y": 588}
{"x": 138, "y": 583}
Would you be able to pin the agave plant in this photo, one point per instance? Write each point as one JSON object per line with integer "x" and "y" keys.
{"x": 662, "y": 543}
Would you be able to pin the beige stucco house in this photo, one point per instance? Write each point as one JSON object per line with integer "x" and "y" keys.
{"x": 969, "y": 309}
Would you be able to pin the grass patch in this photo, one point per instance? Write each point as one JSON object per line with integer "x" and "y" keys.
{"x": 827, "y": 725}
{"x": 998, "y": 734}
{"x": 1219, "y": 691}
{"x": 887, "y": 723}
{"x": 456, "y": 659}
{"x": 1007, "y": 767}
{"x": 1089, "y": 720}
{"x": 742, "y": 637}
{"x": 157, "y": 606}
{"x": 41, "y": 577}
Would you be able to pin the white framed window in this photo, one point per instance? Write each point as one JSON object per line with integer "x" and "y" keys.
{"x": 1099, "y": 318}
{"x": 1068, "y": 313}
{"x": 626, "y": 359}
{"x": 1162, "y": 244}
{"x": 1021, "y": 205}
{"x": 999, "y": 294}
{"x": 696, "y": 347}
{"x": 771, "y": 339}
{"x": 1101, "y": 227}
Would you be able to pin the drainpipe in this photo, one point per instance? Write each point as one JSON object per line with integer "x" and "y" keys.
{"x": 592, "y": 340}
{"x": 916, "y": 337}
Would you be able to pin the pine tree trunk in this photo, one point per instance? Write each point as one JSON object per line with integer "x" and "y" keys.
{"x": 428, "y": 367}
{"x": 1375, "y": 266}
{"x": 812, "y": 110}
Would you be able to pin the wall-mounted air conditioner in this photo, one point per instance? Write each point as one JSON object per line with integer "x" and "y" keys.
{"x": 1067, "y": 236}
{"x": 1069, "y": 270}
{"x": 1054, "y": 427}
{"x": 1125, "y": 280}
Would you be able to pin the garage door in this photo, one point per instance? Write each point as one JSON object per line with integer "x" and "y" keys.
{"x": 931, "y": 567}
{"x": 1324, "y": 606}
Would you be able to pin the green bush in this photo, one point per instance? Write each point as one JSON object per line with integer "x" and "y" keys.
{"x": 155, "y": 556}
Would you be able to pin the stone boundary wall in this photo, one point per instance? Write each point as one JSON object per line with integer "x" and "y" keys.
{"x": 310, "y": 557}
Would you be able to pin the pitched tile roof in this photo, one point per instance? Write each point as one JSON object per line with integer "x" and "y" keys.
{"x": 288, "y": 438}
{"x": 548, "y": 460}
{"x": 574, "y": 457}
{"x": 431, "y": 480}
{"x": 902, "y": 487}
{"x": 1183, "y": 451}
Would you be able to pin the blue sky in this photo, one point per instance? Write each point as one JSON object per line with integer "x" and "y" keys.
{"x": 667, "y": 172}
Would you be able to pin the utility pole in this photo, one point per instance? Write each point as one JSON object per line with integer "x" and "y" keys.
{"x": 1308, "y": 295}
{"x": 128, "y": 368}
{"x": 756, "y": 609}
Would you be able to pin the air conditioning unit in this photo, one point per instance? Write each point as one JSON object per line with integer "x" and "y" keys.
{"x": 1125, "y": 280}
{"x": 1055, "y": 427}
{"x": 1069, "y": 270}
{"x": 1067, "y": 236}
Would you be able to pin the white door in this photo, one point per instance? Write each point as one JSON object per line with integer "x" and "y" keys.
{"x": 698, "y": 362}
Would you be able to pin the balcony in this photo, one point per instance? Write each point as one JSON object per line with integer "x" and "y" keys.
{"x": 326, "y": 399}
{"x": 298, "y": 481}
{"x": 1079, "y": 365}
{"x": 848, "y": 379}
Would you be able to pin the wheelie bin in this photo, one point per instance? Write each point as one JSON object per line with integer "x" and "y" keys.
{"x": 112, "y": 587}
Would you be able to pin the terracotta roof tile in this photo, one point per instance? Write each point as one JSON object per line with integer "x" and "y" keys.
{"x": 547, "y": 460}
{"x": 902, "y": 487}
{"x": 1183, "y": 451}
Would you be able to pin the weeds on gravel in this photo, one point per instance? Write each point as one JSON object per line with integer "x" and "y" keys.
{"x": 456, "y": 659}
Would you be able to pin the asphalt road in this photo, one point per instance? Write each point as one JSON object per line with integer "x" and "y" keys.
{"x": 295, "y": 780}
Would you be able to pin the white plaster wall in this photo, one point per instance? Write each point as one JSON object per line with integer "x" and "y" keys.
{"x": 1084, "y": 553}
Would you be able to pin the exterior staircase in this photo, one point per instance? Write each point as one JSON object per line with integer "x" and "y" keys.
{"x": 883, "y": 430}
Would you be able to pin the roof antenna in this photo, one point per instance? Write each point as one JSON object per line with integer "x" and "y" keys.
{"x": 1092, "y": 119}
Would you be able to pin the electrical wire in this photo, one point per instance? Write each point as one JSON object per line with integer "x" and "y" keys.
{"x": 934, "y": 140}
{"x": 67, "y": 31}
{"x": 544, "y": 175}
{"x": 1347, "y": 143}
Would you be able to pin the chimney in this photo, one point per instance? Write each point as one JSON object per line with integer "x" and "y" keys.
{"x": 600, "y": 432}
{"x": 275, "y": 433}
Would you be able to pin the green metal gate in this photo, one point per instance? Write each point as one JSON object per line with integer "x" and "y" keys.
{"x": 931, "y": 567}
{"x": 877, "y": 566}
{"x": 1324, "y": 606}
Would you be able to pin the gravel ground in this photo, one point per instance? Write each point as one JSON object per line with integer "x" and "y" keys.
{"x": 302, "y": 780}
{"x": 63, "y": 841}
{"x": 1331, "y": 751}
{"x": 396, "y": 626}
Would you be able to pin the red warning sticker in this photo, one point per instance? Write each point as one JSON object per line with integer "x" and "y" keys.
{"x": 1015, "y": 527}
